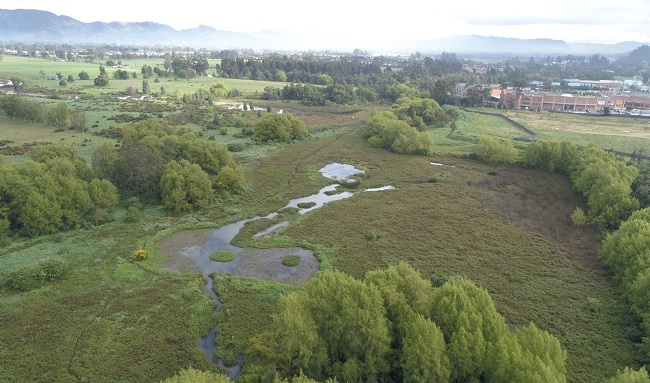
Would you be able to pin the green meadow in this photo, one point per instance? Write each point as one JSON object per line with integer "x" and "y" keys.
{"x": 113, "y": 319}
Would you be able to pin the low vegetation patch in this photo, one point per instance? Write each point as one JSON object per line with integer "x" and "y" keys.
{"x": 222, "y": 256}
{"x": 291, "y": 260}
{"x": 306, "y": 205}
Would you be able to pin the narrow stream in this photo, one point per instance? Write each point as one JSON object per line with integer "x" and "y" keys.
{"x": 221, "y": 238}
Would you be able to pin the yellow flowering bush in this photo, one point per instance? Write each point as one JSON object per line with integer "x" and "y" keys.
{"x": 140, "y": 255}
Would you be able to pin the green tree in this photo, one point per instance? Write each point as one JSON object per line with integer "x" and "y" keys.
{"x": 184, "y": 186}
{"x": 79, "y": 120}
{"x": 57, "y": 115}
{"x": 352, "y": 329}
{"x": 280, "y": 128}
{"x": 423, "y": 358}
{"x": 83, "y": 75}
{"x": 231, "y": 179}
{"x": 490, "y": 150}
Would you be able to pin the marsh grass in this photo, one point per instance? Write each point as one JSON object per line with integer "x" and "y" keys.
{"x": 222, "y": 256}
{"x": 291, "y": 260}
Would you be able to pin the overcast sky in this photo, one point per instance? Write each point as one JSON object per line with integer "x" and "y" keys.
{"x": 600, "y": 21}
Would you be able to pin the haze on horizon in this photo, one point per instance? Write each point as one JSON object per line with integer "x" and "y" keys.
{"x": 362, "y": 25}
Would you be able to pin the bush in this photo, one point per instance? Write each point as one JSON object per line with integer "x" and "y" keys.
{"x": 306, "y": 205}
{"x": 222, "y": 256}
{"x": 140, "y": 255}
{"x": 579, "y": 218}
{"x": 235, "y": 147}
{"x": 36, "y": 275}
{"x": 291, "y": 260}
{"x": 490, "y": 150}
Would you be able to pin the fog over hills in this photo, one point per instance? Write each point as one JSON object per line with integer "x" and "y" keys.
{"x": 34, "y": 26}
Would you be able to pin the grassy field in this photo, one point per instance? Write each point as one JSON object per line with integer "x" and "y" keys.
{"x": 508, "y": 229}
{"x": 626, "y": 134}
{"x": 29, "y": 70}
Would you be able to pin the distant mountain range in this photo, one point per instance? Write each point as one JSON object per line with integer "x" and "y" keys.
{"x": 34, "y": 26}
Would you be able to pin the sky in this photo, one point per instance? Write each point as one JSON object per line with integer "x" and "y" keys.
{"x": 589, "y": 21}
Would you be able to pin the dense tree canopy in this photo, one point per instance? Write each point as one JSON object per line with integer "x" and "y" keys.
{"x": 385, "y": 130}
{"x": 396, "y": 327}
{"x": 140, "y": 164}
{"x": 54, "y": 190}
{"x": 280, "y": 128}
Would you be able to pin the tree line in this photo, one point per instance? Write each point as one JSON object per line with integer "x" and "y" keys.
{"x": 57, "y": 115}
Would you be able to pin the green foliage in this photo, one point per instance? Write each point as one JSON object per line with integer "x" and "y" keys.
{"x": 231, "y": 179}
{"x": 489, "y": 149}
{"x": 235, "y": 147}
{"x": 191, "y": 375}
{"x": 280, "y": 128}
{"x": 134, "y": 210}
{"x": 418, "y": 112}
{"x": 384, "y": 129}
{"x": 291, "y": 260}
{"x": 579, "y": 218}
{"x": 550, "y": 155}
{"x": 149, "y": 147}
{"x": 222, "y": 256}
{"x": 184, "y": 186}
{"x": 396, "y": 327}
{"x": 37, "y": 274}
{"x": 629, "y": 375}
{"x": 54, "y": 191}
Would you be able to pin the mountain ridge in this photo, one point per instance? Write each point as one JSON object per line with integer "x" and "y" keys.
{"x": 36, "y": 26}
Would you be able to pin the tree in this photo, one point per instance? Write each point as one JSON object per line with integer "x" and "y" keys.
{"x": 347, "y": 337}
{"x": 490, "y": 150}
{"x": 280, "y": 128}
{"x": 145, "y": 86}
{"x": 58, "y": 115}
{"x": 231, "y": 179}
{"x": 84, "y": 75}
{"x": 423, "y": 358}
{"x": 101, "y": 80}
{"x": 184, "y": 186}
{"x": 79, "y": 121}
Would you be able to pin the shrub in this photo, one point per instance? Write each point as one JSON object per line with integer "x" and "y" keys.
{"x": 36, "y": 275}
{"x": 235, "y": 147}
{"x": 579, "y": 218}
{"x": 140, "y": 255}
{"x": 306, "y": 205}
{"x": 222, "y": 256}
{"x": 291, "y": 260}
{"x": 490, "y": 150}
